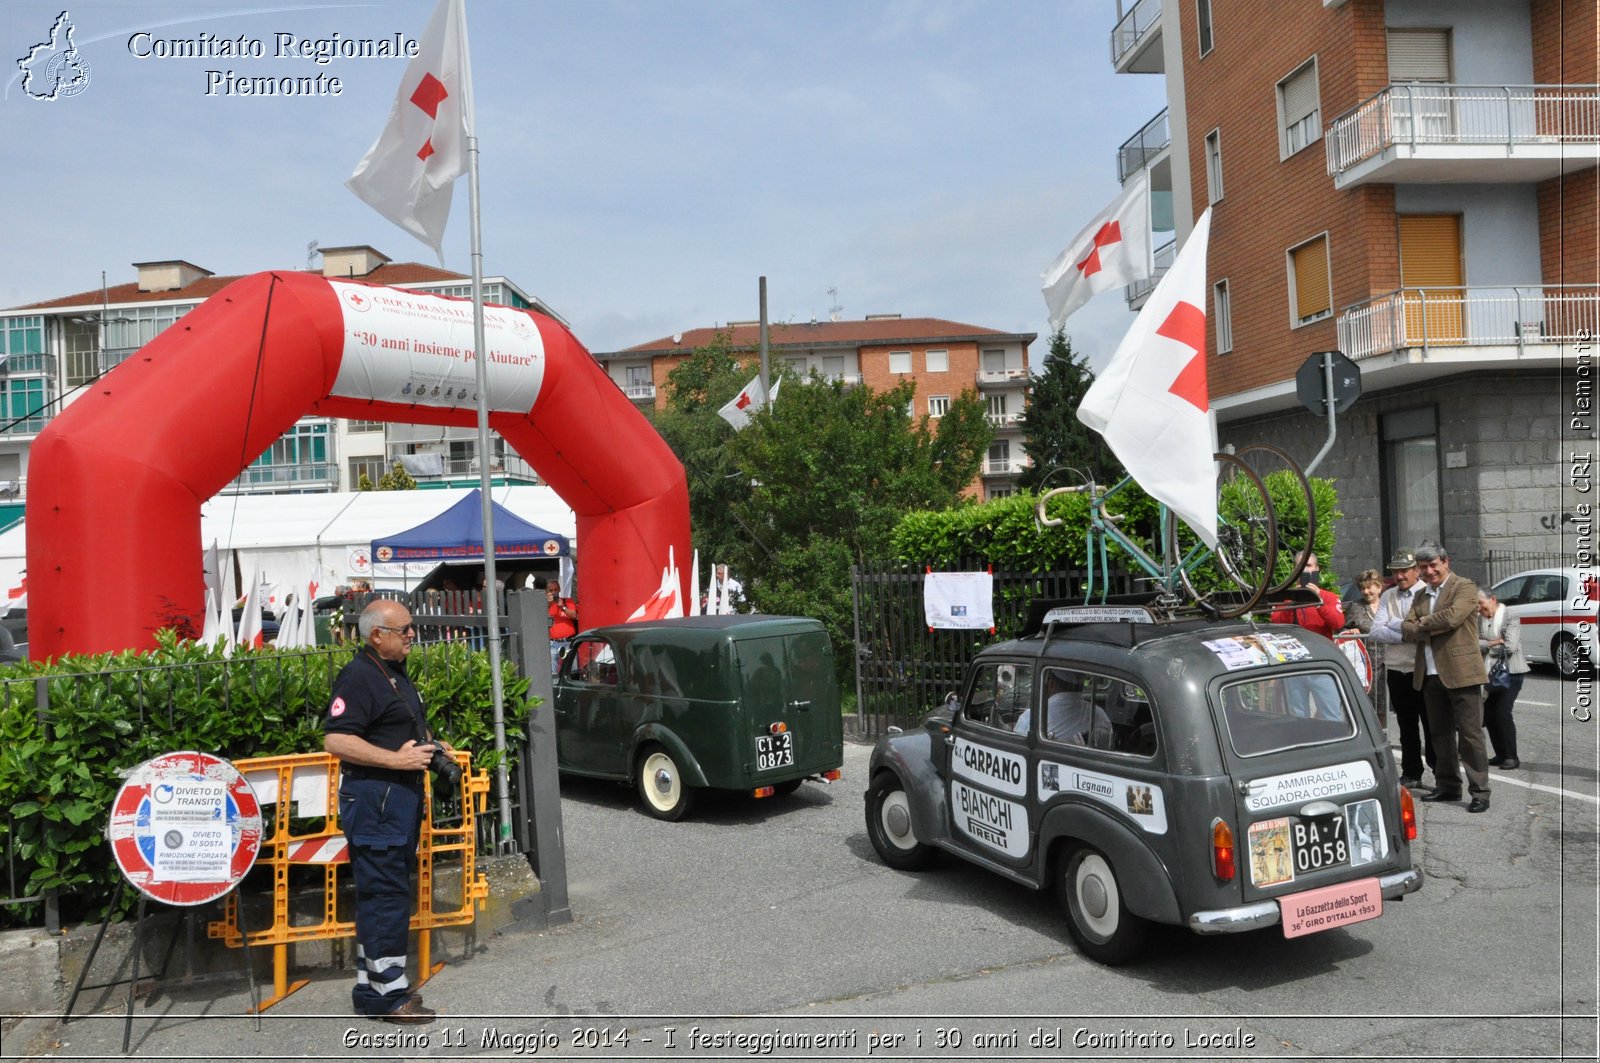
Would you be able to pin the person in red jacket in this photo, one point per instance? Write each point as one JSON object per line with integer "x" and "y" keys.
{"x": 1326, "y": 619}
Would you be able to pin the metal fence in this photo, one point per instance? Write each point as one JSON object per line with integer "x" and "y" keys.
{"x": 154, "y": 693}
{"x": 1498, "y": 564}
{"x": 1470, "y": 317}
{"x": 904, "y": 669}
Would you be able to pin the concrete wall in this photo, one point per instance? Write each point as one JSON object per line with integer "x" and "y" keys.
{"x": 1499, "y": 227}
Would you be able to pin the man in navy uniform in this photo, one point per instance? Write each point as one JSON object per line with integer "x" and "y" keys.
{"x": 377, "y": 728}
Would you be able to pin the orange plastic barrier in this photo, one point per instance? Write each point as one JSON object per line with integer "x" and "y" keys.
{"x": 305, "y": 787}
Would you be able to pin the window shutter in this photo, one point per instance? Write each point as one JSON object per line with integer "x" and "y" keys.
{"x": 1311, "y": 279}
{"x": 1430, "y": 251}
{"x": 1419, "y": 55}
{"x": 1300, "y": 94}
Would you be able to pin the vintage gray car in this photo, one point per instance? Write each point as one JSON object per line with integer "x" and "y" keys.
{"x": 1222, "y": 776}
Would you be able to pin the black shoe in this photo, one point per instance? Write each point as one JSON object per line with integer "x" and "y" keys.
{"x": 1442, "y": 795}
{"x": 1510, "y": 764}
{"x": 1497, "y": 762}
{"x": 1479, "y": 804}
{"x": 410, "y": 1013}
{"x": 1410, "y": 782}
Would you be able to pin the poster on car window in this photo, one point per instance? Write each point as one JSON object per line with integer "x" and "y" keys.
{"x": 1257, "y": 649}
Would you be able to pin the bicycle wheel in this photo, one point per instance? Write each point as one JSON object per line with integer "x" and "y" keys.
{"x": 1231, "y": 579}
{"x": 1293, "y": 506}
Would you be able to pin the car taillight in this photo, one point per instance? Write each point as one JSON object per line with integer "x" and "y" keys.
{"x": 763, "y": 791}
{"x": 833, "y": 774}
{"x": 1222, "y": 852}
{"x": 1408, "y": 814}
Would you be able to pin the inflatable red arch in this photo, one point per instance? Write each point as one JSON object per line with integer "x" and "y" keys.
{"x": 117, "y": 480}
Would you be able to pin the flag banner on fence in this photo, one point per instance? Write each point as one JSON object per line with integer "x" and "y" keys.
{"x": 958, "y": 599}
{"x": 1151, "y": 404}
{"x": 1111, "y": 251}
{"x": 408, "y": 173}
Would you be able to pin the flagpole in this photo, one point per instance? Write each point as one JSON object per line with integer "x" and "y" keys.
{"x": 491, "y": 604}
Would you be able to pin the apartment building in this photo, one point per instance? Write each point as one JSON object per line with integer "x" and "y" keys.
{"x": 942, "y": 358}
{"x": 1413, "y": 183}
{"x": 51, "y": 350}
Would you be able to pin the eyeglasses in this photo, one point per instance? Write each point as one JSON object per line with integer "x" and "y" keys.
{"x": 409, "y": 629}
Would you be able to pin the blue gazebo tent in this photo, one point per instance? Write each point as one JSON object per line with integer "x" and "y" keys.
{"x": 457, "y": 535}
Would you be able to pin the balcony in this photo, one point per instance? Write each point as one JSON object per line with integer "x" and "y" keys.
{"x": 1138, "y": 291}
{"x": 1003, "y": 466}
{"x": 1430, "y": 319}
{"x": 1003, "y": 420}
{"x": 29, "y": 365}
{"x": 639, "y": 392}
{"x": 267, "y": 479}
{"x": 1000, "y": 378}
{"x": 1139, "y": 150}
{"x": 1483, "y": 133}
{"x": 1136, "y": 40}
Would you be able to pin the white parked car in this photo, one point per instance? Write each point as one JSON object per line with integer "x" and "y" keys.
{"x": 1557, "y": 608}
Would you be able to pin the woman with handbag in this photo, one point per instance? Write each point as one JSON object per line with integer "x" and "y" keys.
{"x": 1500, "y": 640}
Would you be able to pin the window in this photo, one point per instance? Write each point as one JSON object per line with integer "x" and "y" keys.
{"x": 1202, "y": 11}
{"x": 999, "y": 456}
{"x": 1310, "y": 294}
{"x": 798, "y": 364}
{"x": 22, "y": 335}
{"x": 938, "y": 361}
{"x": 299, "y": 455}
{"x": 372, "y": 468}
{"x": 938, "y": 405}
{"x": 364, "y": 426}
{"x": 82, "y": 340}
{"x": 25, "y": 404}
{"x": 1299, "y": 113}
{"x": 1214, "y": 165}
{"x": 1222, "y": 313}
{"x": 994, "y": 361}
{"x": 1097, "y": 711}
{"x": 591, "y": 661}
{"x": 1419, "y": 55}
{"x": 638, "y": 375}
{"x": 997, "y": 409}
{"x": 1282, "y": 712}
{"x": 833, "y": 366}
{"x": 135, "y": 326}
{"x": 1000, "y": 697}
{"x": 1000, "y": 491}
{"x": 1411, "y": 477}
{"x": 899, "y": 361}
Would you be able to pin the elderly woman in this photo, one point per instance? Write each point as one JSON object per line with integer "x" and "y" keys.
{"x": 1500, "y": 640}
{"x": 1360, "y": 612}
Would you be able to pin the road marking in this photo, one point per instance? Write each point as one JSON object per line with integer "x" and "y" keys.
{"x": 1546, "y": 789}
{"x": 1541, "y": 704}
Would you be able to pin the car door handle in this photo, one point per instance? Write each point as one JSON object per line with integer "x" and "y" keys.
{"x": 801, "y": 705}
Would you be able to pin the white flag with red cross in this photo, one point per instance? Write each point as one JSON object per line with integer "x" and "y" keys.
{"x": 1112, "y": 250}
{"x": 1150, "y": 403}
{"x": 667, "y": 602}
{"x": 739, "y": 409}
{"x": 407, "y": 174}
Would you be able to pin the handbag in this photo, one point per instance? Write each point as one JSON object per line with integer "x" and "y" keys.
{"x": 1499, "y": 676}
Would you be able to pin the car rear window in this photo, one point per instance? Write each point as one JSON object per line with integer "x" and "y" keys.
{"x": 1272, "y": 713}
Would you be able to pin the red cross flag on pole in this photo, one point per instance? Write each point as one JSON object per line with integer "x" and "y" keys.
{"x": 738, "y": 409}
{"x": 407, "y": 174}
{"x": 1112, "y": 250}
{"x": 1150, "y": 403}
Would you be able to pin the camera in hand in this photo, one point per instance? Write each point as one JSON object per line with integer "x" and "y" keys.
{"x": 445, "y": 767}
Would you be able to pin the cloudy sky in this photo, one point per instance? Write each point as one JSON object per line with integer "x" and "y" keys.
{"x": 643, "y": 161}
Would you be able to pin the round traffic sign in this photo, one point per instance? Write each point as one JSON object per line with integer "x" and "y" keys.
{"x": 185, "y": 828}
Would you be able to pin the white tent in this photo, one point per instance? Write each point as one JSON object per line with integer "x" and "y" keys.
{"x": 287, "y": 537}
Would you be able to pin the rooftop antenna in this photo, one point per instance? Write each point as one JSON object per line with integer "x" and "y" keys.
{"x": 311, "y": 253}
{"x": 835, "y": 311}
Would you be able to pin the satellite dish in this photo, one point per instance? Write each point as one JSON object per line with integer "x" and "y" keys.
{"x": 677, "y": 337}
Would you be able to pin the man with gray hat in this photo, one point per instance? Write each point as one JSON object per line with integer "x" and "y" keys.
{"x": 1449, "y": 672}
{"x": 1410, "y": 712}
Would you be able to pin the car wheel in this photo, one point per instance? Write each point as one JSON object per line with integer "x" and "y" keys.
{"x": 661, "y": 786}
{"x": 1567, "y": 656}
{"x": 1100, "y": 923}
{"x": 889, "y": 826}
{"x": 784, "y": 789}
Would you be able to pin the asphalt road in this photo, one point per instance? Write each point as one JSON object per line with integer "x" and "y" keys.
{"x": 774, "y": 919}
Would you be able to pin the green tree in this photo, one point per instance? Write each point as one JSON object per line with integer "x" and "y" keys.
{"x": 696, "y": 389}
{"x": 1053, "y": 436}
{"x": 397, "y": 479}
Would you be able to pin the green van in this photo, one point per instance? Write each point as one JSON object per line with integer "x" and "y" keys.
{"x": 743, "y": 702}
